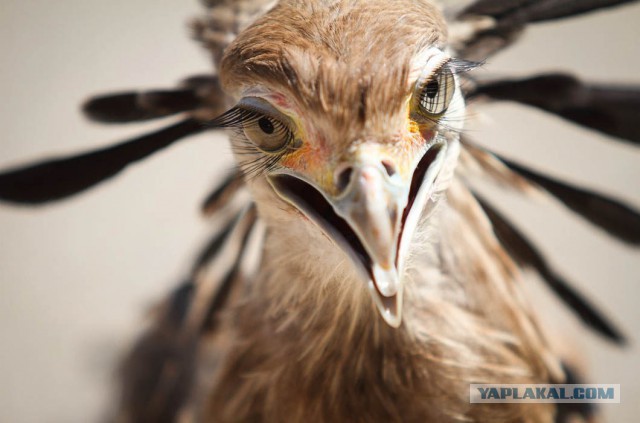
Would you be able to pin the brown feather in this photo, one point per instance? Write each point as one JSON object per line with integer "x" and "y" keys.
{"x": 345, "y": 40}
{"x": 367, "y": 371}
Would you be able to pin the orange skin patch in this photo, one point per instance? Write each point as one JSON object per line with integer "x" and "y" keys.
{"x": 309, "y": 158}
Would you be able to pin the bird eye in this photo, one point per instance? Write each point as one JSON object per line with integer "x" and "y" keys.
{"x": 260, "y": 122}
{"x": 267, "y": 133}
{"x": 437, "y": 92}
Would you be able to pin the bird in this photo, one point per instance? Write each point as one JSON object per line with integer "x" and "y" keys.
{"x": 356, "y": 274}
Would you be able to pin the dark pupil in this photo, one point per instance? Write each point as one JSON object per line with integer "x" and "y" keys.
{"x": 432, "y": 89}
{"x": 266, "y": 125}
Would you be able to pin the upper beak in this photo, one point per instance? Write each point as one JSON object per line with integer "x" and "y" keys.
{"x": 372, "y": 205}
{"x": 372, "y": 218}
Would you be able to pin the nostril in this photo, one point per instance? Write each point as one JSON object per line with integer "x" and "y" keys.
{"x": 344, "y": 176}
{"x": 389, "y": 167}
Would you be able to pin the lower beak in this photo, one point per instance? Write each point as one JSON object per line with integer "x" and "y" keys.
{"x": 372, "y": 220}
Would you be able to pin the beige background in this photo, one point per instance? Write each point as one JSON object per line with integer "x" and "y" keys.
{"x": 76, "y": 277}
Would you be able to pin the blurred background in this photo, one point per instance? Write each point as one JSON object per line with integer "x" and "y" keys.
{"x": 77, "y": 277}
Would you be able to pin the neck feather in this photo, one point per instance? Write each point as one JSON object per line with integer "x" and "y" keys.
{"x": 310, "y": 330}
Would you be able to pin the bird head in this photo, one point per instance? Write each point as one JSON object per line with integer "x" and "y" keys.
{"x": 347, "y": 117}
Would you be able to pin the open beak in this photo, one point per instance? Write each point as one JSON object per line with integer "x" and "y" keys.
{"x": 372, "y": 219}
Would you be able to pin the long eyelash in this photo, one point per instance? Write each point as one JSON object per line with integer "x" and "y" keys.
{"x": 238, "y": 116}
{"x": 234, "y": 118}
{"x": 263, "y": 162}
{"x": 259, "y": 164}
{"x": 441, "y": 124}
{"x": 458, "y": 66}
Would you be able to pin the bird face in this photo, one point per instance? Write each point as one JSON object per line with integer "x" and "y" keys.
{"x": 352, "y": 144}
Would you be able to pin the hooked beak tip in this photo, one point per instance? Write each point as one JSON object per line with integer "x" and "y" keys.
{"x": 390, "y": 308}
{"x": 386, "y": 280}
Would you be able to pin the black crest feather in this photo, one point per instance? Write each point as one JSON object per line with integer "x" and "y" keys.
{"x": 613, "y": 110}
{"x": 140, "y": 106}
{"x": 616, "y": 218}
{"x": 55, "y": 179}
{"x": 526, "y": 254}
